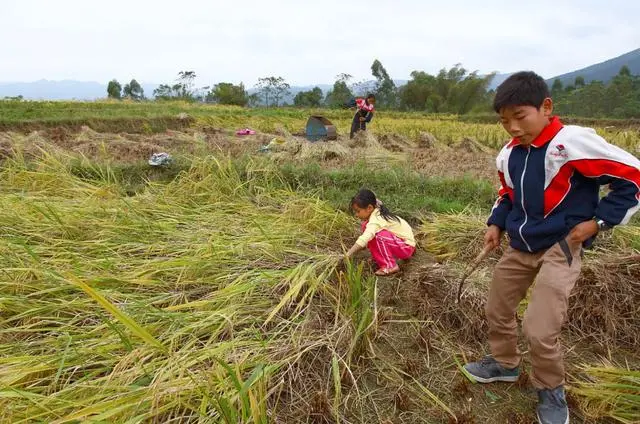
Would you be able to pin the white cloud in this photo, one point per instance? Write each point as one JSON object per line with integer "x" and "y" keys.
{"x": 304, "y": 42}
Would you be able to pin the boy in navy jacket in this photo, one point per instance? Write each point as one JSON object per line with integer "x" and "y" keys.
{"x": 549, "y": 204}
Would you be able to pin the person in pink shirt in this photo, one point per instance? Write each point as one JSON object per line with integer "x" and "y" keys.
{"x": 364, "y": 114}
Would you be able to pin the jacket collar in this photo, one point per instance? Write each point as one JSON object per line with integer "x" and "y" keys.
{"x": 545, "y": 136}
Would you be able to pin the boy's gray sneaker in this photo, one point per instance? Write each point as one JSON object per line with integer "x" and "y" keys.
{"x": 552, "y": 406}
{"x": 488, "y": 370}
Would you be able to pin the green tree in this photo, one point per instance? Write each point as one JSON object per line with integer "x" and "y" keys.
{"x": 435, "y": 103}
{"x": 114, "y": 89}
{"x": 340, "y": 94}
{"x": 625, "y": 71}
{"x": 556, "y": 88}
{"x": 620, "y": 97}
{"x": 385, "y": 91}
{"x": 273, "y": 89}
{"x": 185, "y": 85}
{"x": 226, "y": 93}
{"x": 588, "y": 100}
{"x": 182, "y": 89}
{"x": 311, "y": 98}
{"x": 452, "y": 91}
{"x": 414, "y": 94}
{"x": 579, "y": 81}
{"x": 254, "y": 100}
{"x": 469, "y": 92}
{"x": 164, "y": 92}
{"x": 133, "y": 90}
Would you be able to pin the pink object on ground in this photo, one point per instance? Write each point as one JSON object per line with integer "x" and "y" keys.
{"x": 245, "y": 131}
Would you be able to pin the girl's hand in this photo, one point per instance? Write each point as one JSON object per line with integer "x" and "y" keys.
{"x": 351, "y": 251}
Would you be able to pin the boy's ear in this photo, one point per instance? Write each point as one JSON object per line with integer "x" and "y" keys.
{"x": 547, "y": 106}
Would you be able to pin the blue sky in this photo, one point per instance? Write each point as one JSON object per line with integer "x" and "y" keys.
{"x": 305, "y": 42}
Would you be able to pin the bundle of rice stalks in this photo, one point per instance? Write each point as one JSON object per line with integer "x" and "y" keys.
{"x": 396, "y": 142}
{"x": 453, "y": 236}
{"x": 426, "y": 140}
{"x": 605, "y": 303}
{"x": 323, "y": 151}
{"x": 365, "y": 145}
{"x": 471, "y": 145}
{"x": 365, "y": 140}
{"x": 28, "y": 146}
{"x": 608, "y": 392}
{"x": 291, "y": 145}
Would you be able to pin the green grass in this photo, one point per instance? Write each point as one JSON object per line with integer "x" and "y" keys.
{"x": 405, "y": 192}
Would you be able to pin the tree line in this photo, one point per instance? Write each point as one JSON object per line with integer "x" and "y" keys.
{"x": 455, "y": 90}
{"x": 619, "y": 98}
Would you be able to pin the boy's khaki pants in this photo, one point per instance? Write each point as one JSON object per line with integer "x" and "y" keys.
{"x": 555, "y": 271}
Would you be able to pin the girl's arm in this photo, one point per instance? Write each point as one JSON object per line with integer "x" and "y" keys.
{"x": 369, "y": 233}
{"x": 355, "y": 248}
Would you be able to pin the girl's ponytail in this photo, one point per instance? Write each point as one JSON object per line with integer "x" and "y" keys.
{"x": 386, "y": 213}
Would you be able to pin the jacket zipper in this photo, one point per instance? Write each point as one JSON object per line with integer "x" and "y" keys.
{"x": 526, "y": 217}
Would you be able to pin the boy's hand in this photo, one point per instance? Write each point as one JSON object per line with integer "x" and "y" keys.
{"x": 362, "y": 118}
{"x": 583, "y": 231}
{"x": 492, "y": 236}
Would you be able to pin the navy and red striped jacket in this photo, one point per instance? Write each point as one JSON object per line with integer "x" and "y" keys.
{"x": 552, "y": 186}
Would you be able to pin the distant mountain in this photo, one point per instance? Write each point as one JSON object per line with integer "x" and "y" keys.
{"x": 497, "y": 80}
{"x": 61, "y": 90}
{"x": 603, "y": 71}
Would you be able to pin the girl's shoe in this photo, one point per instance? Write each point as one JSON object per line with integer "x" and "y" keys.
{"x": 388, "y": 271}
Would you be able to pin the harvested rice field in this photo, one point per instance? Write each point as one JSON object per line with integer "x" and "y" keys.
{"x": 212, "y": 289}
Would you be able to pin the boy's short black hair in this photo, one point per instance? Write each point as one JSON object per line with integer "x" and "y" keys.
{"x": 524, "y": 88}
{"x": 370, "y": 96}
